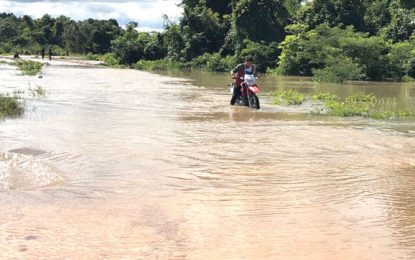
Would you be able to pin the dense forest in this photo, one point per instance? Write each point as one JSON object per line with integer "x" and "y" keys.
{"x": 332, "y": 40}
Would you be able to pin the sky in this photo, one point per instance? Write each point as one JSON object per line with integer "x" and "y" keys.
{"x": 148, "y": 13}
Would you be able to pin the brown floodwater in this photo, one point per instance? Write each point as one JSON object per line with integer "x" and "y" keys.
{"x": 125, "y": 164}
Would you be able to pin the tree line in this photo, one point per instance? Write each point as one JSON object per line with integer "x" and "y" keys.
{"x": 331, "y": 40}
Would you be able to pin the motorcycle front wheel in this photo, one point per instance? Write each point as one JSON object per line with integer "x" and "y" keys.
{"x": 254, "y": 102}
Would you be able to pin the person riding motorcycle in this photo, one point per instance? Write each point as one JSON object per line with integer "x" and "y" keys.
{"x": 238, "y": 73}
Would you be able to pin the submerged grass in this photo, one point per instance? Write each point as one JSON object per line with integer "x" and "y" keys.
{"x": 37, "y": 91}
{"x": 29, "y": 68}
{"x": 287, "y": 97}
{"x": 367, "y": 106}
{"x": 10, "y": 106}
{"x": 359, "y": 105}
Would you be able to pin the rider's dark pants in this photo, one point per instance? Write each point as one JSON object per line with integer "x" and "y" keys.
{"x": 237, "y": 94}
{"x": 237, "y": 91}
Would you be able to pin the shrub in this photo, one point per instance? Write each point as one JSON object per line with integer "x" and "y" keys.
{"x": 30, "y": 68}
{"x": 164, "y": 64}
{"x": 109, "y": 59}
{"x": 338, "y": 70}
{"x": 366, "y": 106}
{"x": 323, "y": 48}
{"x": 324, "y": 97}
{"x": 10, "y": 106}
{"x": 402, "y": 60}
{"x": 358, "y": 105}
{"x": 213, "y": 62}
{"x": 287, "y": 97}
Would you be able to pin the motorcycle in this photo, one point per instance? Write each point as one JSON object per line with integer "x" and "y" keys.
{"x": 249, "y": 90}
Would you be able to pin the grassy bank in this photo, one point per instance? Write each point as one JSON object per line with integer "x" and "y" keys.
{"x": 10, "y": 106}
{"x": 353, "y": 106}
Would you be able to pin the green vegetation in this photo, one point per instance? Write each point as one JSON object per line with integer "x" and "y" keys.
{"x": 338, "y": 69}
{"x": 30, "y": 68}
{"x": 323, "y": 97}
{"x": 10, "y": 106}
{"x": 213, "y": 62}
{"x": 38, "y": 91}
{"x": 164, "y": 64}
{"x": 331, "y": 40}
{"x": 108, "y": 59}
{"x": 287, "y": 97}
{"x": 355, "y": 105}
{"x": 366, "y": 106}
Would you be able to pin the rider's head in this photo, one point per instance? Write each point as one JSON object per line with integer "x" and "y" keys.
{"x": 249, "y": 59}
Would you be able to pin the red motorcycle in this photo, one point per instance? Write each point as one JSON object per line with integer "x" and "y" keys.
{"x": 248, "y": 92}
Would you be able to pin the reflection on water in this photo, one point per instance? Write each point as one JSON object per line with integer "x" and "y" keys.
{"x": 150, "y": 166}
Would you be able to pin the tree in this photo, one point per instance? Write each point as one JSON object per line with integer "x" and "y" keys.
{"x": 203, "y": 29}
{"x": 256, "y": 20}
{"x": 334, "y": 13}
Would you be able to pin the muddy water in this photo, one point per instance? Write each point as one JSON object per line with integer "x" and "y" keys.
{"x": 128, "y": 164}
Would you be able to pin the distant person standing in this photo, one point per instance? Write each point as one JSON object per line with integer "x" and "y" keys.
{"x": 42, "y": 53}
{"x": 50, "y": 53}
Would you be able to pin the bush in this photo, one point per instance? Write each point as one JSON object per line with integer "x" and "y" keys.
{"x": 287, "y": 97}
{"x": 356, "y": 105}
{"x": 213, "y": 62}
{"x": 164, "y": 64}
{"x": 323, "y": 48}
{"x": 402, "y": 60}
{"x": 30, "y": 68}
{"x": 338, "y": 70}
{"x": 10, "y": 106}
{"x": 366, "y": 106}
{"x": 324, "y": 97}
{"x": 108, "y": 59}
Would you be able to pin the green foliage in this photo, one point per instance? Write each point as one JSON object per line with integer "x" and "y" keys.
{"x": 259, "y": 20}
{"x": 335, "y": 40}
{"x": 202, "y": 29}
{"x": 402, "y": 25}
{"x": 109, "y": 59}
{"x": 265, "y": 55}
{"x": 37, "y": 91}
{"x": 92, "y": 36}
{"x": 213, "y": 62}
{"x": 353, "y": 106}
{"x": 10, "y": 106}
{"x": 164, "y": 64}
{"x": 334, "y": 49}
{"x": 323, "y": 97}
{"x": 402, "y": 60}
{"x": 366, "y": 106}
{"x": 287, "y": 97}
{"x": 132, "y": 46}
{"x": 338, "y": 70}
{"x": 30, "y": 68}
{"x": 28, "y": 36}
{"x": 334, "y": 13}
{"x": 173, "y": 42}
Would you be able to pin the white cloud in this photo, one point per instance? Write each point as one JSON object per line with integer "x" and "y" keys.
{"x": 147, "y": 13}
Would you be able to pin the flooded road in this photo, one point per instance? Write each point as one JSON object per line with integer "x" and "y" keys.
{"x": 128, "y": 164}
